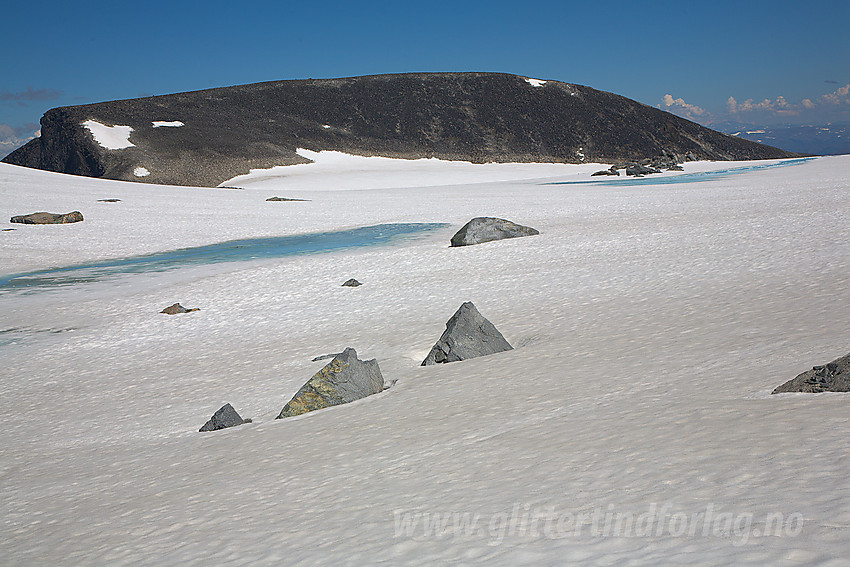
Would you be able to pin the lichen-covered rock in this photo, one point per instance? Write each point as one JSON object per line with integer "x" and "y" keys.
{"x": 487, "y": 229}
{"x": 344, "y": 379}
{"x": 177, "y": 308}
{"x": 226, "y": 416}
{"x": 831, "y": 377}
{"x": 48, "y": 218}
{"x": 468, "y": 335}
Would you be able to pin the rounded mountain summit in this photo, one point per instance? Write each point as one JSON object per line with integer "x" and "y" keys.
{"x": 207, "y": 137}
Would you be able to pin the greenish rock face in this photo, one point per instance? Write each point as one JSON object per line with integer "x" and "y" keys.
{"x": 344, "y": 379}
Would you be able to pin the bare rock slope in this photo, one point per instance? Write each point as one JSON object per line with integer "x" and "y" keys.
{"x": 206, "y": 137}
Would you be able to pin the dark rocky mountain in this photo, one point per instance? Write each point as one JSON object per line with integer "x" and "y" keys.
{"x": 476, "y": 117}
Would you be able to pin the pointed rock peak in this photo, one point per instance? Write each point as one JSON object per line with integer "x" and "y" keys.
{"x": 344, "y": 379}
{"x": 487, "y": 229}
{"x": 352, "y": 283}
{"x": 225, "y": 417}
{"x": 468, "y": 335}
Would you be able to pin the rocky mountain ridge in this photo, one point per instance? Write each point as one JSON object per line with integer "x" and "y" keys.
{"x": 207, "y": 137}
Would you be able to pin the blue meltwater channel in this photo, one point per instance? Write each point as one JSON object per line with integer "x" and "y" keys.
{"x": 232, "y": 251}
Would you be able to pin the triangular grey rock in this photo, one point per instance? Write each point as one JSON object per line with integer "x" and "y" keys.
{"x": 468, "y": 335}
{"x": 831, "y": 377}
{"x": 226, "y": 416}
{"x": 486, "y": 229}
{"x": 344, "y": 379}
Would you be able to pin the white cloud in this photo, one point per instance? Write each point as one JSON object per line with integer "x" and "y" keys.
{"x": 840, "y": 96}
{"x": 682, "y": 108}
{"x": 781, "y": 107}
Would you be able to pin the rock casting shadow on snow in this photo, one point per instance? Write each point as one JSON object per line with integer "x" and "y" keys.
{"x": 487, "y": 229}
{"x": 831, "y": 377}
{"x": 344, "y": 379}
{"x": 468, "y": 334}
{"x": 225, "y": 417}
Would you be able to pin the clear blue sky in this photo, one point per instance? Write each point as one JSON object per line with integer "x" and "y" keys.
{"x": 700, "y": 53}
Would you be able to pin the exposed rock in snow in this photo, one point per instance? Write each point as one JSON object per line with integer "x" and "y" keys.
{"x": 344, "y": 379}
{"x": 487, "y": 229}
{"x": 177, "y": 309}
{"x": 352, "y": 283}
{"x": 48, "y": 218}
{"x": 831, "y": 377}
{"x": 226, "y": 416}
{"x": 468, "y": 334}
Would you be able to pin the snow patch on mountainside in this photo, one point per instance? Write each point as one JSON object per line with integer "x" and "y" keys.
{"x": 110, "y": 137}
{"x": 535, "y": 82}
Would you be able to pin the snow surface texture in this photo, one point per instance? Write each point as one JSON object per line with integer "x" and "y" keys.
{"x": 650, "y": 323}
{"x": 163, "y": 123}
{"x": 110, "y": 137}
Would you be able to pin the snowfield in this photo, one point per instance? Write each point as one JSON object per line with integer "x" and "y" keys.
{"x": 632, "y": 424}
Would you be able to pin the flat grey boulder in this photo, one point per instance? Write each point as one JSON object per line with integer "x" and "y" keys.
{"x": 225, "y": 417}
{"x": 48, "y": 218}
{"x": 285, "y": 199}
{"x": 176, "y": 309}
{"x": 831, "y": 377}
{"x": 344, "y": 379}
{"x": 468, "y": 335}
{"x": 487, "y": 229}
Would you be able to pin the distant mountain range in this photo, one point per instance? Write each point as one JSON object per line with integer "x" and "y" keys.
{"x": 206, "y": 137}
{"x": 826, "y": 139}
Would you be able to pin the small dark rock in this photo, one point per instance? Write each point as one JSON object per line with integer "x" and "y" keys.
{"x": 225, "y": 417}
{"x": 8, "y": 229}
{"x": 284, "y": 199}
{"x": 352, "y": 283}
{"x": 487, "y": 229}
{"x": 675, "y": 168}
{"x": 177, "y": 308}
{"x": 831, "y": 377}
{"x": 108, "y": 200}
{"x": 605, "y": 172}
{"x": 48, "y": 218}
{"x": 468, "y": 335}
{"x": 344, "y": 379}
